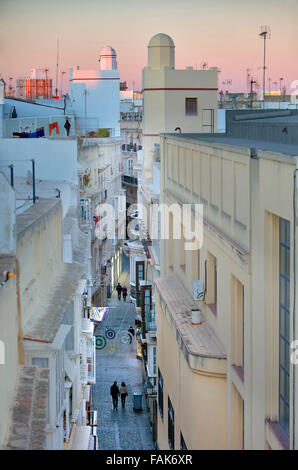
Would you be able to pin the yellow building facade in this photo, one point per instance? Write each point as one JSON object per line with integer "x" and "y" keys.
{"x": 227, "y": 383}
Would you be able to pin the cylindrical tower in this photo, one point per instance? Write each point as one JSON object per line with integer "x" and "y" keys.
{"x": 108, "y": 58}
{"x": 161, "y": 52}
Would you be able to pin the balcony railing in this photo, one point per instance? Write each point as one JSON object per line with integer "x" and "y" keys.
{"x": 85, "y": 212}
{"x": 130, "y": 180}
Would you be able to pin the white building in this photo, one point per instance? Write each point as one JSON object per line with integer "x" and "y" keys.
{"x": 95, "y": 95}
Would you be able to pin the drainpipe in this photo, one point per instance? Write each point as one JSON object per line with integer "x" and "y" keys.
{"x": 11, "y": 175}
{"x": 89, "y": 269}
{"x": 295, "y": 310}
{"x": 20, "y": 332}
{"x": 33, "y": 180}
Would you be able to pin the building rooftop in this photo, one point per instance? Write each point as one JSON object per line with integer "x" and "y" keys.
{"x": 199, "y": 340}
{"x": 225, "y": 139}
{"x": 44, "y": 323}
{"x": 29, "y": 410}
{"x": 35, "y": 213}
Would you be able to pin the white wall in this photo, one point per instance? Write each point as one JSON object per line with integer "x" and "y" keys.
{"x": 55, "y": 159}
{"x": 27, "y": 108}
{"x": 98, "y": 97}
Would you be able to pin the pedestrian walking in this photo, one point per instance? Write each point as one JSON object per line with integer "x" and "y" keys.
{"x": 132, "y": 333}
{"x": 115, "y": 394}
{"x": 119, "y": 290}
{"x": 123, "y": 393}
{"x": 124, "y": 293}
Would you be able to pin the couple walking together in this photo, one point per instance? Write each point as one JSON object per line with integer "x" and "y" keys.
{"x": 115, "y": 392}
{"x": 122, "y": 290}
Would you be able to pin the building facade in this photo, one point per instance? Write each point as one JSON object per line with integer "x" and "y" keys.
{"x": 231, "y": 382}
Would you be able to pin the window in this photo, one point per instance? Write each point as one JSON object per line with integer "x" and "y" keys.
{"x": 41, "y": 362}
{"x": 154, "y": 359}
{"x": 182, "y": 250}
{"x": 182, "y": 442}
{"x": 160, "y": 393}
{"x": 140, "y": 265}
{"x": 59, "y": 381}
{"x": 171, "y": 425}
{"x": 284, "y": 323}
{"x": 237, "y": 304}
{"x": 157, "y": 152}
{"x": 195, "y": 264}
{"x": 130, "y": 166}
{"x": 212, "y": 282}
{"x": 191, "y": 106}
{"x": 69, "y": 320}
{"x": 146, "y": 303}
{"x": 238, "y": 419}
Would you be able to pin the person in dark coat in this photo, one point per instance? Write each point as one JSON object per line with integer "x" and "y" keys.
{"x": 124, "y": 293}
{"x": 119, "y": 290}
{"x": 115, "y": 394}
{"x": 132, "y": 333}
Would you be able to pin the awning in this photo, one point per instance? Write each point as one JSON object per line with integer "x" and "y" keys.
{"x": 98, "y": 314}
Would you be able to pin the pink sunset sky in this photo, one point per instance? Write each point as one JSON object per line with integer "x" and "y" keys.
{"x": 223, "y": 33}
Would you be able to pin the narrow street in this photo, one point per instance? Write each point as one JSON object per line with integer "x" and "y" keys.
{"x": 123, "y": 428}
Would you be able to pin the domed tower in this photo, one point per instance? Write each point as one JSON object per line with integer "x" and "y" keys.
{"x": 108, "y": 58}
{"x": 161, "y": 52}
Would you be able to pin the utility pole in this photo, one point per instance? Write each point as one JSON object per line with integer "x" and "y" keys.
{"x": 264, "y": 34}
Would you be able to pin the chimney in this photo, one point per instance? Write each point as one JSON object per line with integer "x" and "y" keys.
{"x": 195, "y": 316}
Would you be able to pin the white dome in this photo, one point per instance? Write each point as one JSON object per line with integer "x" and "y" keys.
{"x": 161, "y": 40}
{"x": 108, "y": 58}
{"x": 161, "y": 51}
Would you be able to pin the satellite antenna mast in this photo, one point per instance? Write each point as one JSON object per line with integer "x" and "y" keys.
{"x": 57, "y": 67}
{"x": 264, "y": 34}
{"x": 46, "y": 85}
{"x": 252, "y": 82}
{"x": 248, "y": 79}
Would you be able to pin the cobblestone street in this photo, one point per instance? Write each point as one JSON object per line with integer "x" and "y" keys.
{"x": 122, "y": 429}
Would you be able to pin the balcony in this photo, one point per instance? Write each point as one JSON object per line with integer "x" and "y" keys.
{"x": 85, "y": 213}
{"x": 130, "y": 180}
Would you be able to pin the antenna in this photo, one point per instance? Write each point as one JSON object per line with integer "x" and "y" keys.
{"x": 204, "y": 65}
{"x": 46, "y": 87}
{"x": 248, "y": 79}
{"x": 252, "y": 82}
{"x": 265, "y": 34}
{"x": 56, "y": 93}
{"x": 62, "y": 73}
